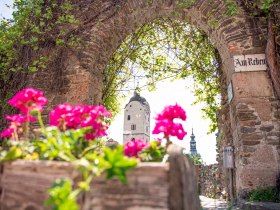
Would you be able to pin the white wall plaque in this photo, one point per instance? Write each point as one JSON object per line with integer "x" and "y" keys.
{"x": 255, "y": 62}
{"x": 230, "y": 92}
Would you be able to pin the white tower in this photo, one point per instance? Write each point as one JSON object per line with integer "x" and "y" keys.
{"x": 136, "y": 119}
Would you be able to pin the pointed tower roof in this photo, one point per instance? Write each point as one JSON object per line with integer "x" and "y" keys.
{"x": 137, "y": 97}
{"x": 193, "y": 150}
{"x": 192, "y": 136}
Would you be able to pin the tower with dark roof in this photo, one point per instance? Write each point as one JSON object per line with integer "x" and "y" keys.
{"x": 136, "y": 119}
{"x": 193, "y": 150}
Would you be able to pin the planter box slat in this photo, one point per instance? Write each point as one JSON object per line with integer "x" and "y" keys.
{"x": 151, "y": 186}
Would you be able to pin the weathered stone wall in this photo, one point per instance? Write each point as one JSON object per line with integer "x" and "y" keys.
{"x": 249, "y": 122}
{"x": 210, "y": 182}
{"x": 224, "y": 135}
{"x": 256, "y": 131}
{"x": 76, "y": 75}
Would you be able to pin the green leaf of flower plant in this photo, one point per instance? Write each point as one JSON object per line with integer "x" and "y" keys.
{"x": 118, "y": 163}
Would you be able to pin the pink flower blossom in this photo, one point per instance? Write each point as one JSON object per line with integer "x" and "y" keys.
{"x": 172, "y": 112}
{"x": 163, "y": 126}
{"x": 65, "y": 116}
{"x": 29, "y": 99}
{"x": 166, "y": 125}
{"x": 133, "y": 147}
{"x": 9, "y": 132}
{"x": 95, "y": 119}
{"x": 19, "y": 119}
{"x": 178, "y": 131}
{"x": 15, "y": 125}
{"x": 60, "y": 116}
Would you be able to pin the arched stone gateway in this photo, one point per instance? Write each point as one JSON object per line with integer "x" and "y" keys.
{"x": 248, "y": 120}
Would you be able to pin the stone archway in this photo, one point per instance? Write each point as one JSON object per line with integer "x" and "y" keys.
{"x": 249, "y": 122}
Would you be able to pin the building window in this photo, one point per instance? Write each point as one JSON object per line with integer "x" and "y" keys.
{"x": 147, "y": 129}
{"x": 133, "y": 127}
{"x": 128, "y": 117}
{"x": 130, "y": 105}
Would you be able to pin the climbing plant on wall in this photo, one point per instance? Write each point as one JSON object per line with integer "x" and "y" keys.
{"x": 170, "y": 49}
{"x": 25, "y": 38}
{"x": 32, "y": 40}
{"x": 165, "y": 49}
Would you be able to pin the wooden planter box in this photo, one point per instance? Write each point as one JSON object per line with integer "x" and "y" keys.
{"x": 151, "y": 186}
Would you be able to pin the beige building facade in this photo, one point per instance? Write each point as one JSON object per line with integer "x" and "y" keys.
{"x": 136, "y": 119}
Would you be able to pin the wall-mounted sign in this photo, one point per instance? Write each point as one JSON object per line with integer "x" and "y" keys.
{"x": 255, "y": 62}
{"x": 230, "y": 92}
{"x": 228, "y": 157}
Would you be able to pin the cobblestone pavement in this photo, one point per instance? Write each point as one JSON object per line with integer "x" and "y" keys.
{"x": 213, "y": 204}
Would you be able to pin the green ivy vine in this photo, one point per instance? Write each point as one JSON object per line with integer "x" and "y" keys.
{"x": 25, "y": 38}
{"x": 165, "y": 49}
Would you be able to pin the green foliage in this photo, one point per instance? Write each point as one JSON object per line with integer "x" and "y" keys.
{"x": 264, "y": 194}
{"x": 196, "y": 159}
{"x": 32, "y": 29}
{"x": 118, "y": 163}
{"x": 154, "y": 153}
{"x": 165, "y": 49}
{"x": 254, "y": 7}
{"x": 186, "y": 4}
{"x": 264, "y": 8}
{"x": 232, "y": 7}
{"x": 266, "y": 5}
{"x": 63, "y": 145}
{"x": 62, "y": 196}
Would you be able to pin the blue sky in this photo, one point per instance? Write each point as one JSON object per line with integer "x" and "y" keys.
{"x": 167, "y": 93}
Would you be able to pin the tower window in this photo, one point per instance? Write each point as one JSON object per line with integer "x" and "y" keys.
{"x": 133, "y": 127}
{"x": 130, "y": 105}
{"x": 128, "y": 117}
{"x": 147, "y": 129}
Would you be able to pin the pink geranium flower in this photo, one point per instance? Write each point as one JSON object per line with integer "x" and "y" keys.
{"x": 29, "y": 99}
{"x": 15, "y": 125}
{"x": 163, "y": 126}
{"x": 95, "y": 119}
{"x": 8, "y": 133}
{"x": 133, "y": 147}
{"x": 65, "y": 116}
{"x": 178, "y": 131}
{"x": 60, "y": 116}
{"x": 165, "y": 122}
{"x": 172, "y": 112}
